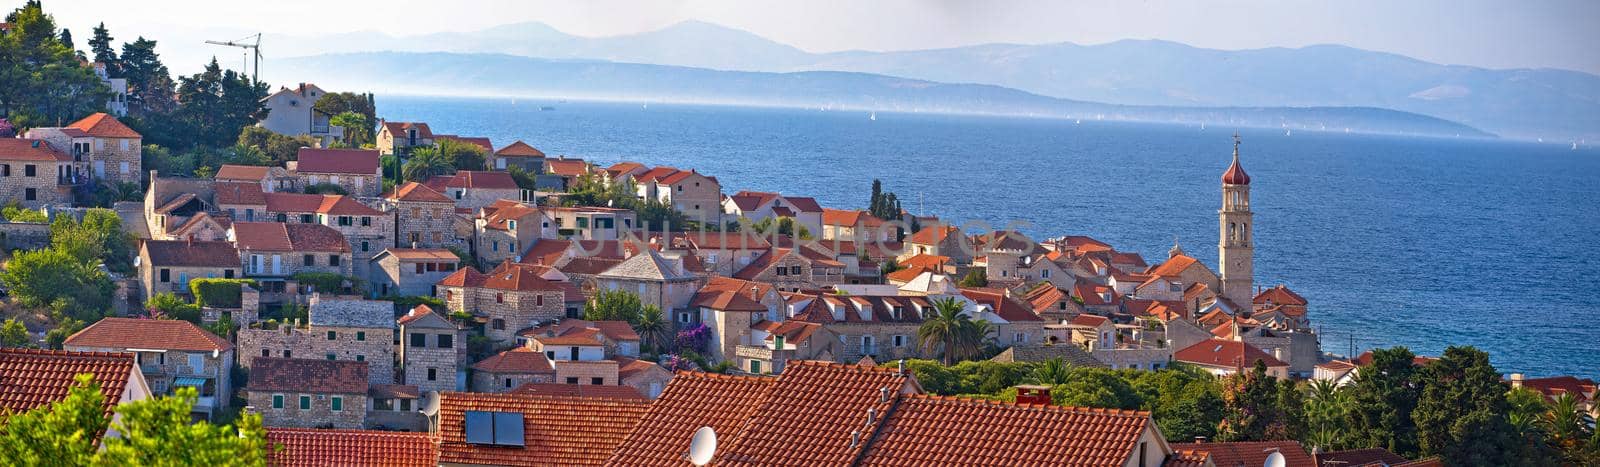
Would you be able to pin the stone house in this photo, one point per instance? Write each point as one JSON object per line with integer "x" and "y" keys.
{"x": 242, "y": 201}
{"x": 520, "y": 155}
{"x": 756, "y": 206}
{"x": 646, "y": 377}
{"x": 1169, "y": 280}
{"x": 35, "y": 175}
{"x": 167, "y": 265}
{"x": 658, "y": 280}
{"x": 432, "y": 351}
{"x": 473, "y": 189}
{"x": 697, "y": 196}
{"x": 565, "y": 172}
{"x": 1012, "y": 321}
{"x": 617, "y": 338}
{"x": 354, "y": 170}
{"x": 940, "y": 240}
{"x": 179, "y": 207}
{"x": 367, "y": 230}
{"x": 277, "y": 250}
{"x": 506, "y": 370}
{"x": 410, "y": 271}
{"x": 1052, "y": 304}
{"x": 309, "y": 393}
{"x": 509, "y": 298}
{"x": 170, "y": 353}
{"x": 587, "y": 222}
{"x": 723, "y": 253}
{"x": 778, "y": 343}
{"x": 399, "y": 137}
{"x": 729, "y": 307}
{"x": 803, "y": 267}
{"x": 854, "y": 225}
{"x": 337, "y": 328}
{"x": 111, "y": 150}
{"x": 424, "y": 218}
{"x": 1224, "y": 357}
{"x": 270, "y": 179}
{"x": 292, "y": 112}
{"x": 28, "y": 388}
{"x": 505, "y": 229}
{"x": 869, "y": 321}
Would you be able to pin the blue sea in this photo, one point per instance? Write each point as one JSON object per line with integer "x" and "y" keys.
{"x": 1421, "y": 242}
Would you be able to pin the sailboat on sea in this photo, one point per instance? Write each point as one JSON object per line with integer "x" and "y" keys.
{"x": 873, "y": 117}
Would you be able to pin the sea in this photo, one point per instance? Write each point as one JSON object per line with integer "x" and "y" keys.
{"x": 1395, "y": 240}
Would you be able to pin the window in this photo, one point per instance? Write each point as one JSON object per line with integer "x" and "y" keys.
{"x": 305, "y": 219}
{"x": 310, "y": 260}
{"x": 755, "y": 366}
{"x": 794, "y": 270}
{"x": 305, "y": 402}
{"x": 366, "y": 221}
{"x": 338, "y": 403}
{"x": 572, "y": 353}
{"x": 364, "y": 246}
{"x": 333, "y": 335}
{"x": 419, "y": 339}
{"x": 508, "y": 382}
{"x": 572, "y": 380}
{"x": 499, "y": 324}
{"x": 283, "y": 217}
{"x": 447, "y": 341}
{"x": 538, "y": 300}
{"x": 227, "y": 274}
{"x": 346, "y": 221}
{"x": 783, "y": 271}
{"x": 266, "y": 352}
{"x": 29, "y": 170}
{"x": 499, "y": 298}
{"x": 361, "y": 358}
{"x": 277, "y": 401}
{"x": 550, "y": 354}
{"x": 1044, "y": 273}
{"x": 361, "y": 335}
{"x": 597, "y": 381}
{"x": 287, "y": 353}
{"x": 166, "y": 275}
{"x": 458, "y": 194}
{"x": 5, "y": 170}
{"x": 433, "y": 374}
{"x": 332, "y": 357}
{"x": 899, "y": 341}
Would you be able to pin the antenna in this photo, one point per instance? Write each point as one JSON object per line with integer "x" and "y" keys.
{"x": 254, "y": 48}
{"x": 1275, "y": 460}
{"x": 704, "y": 445}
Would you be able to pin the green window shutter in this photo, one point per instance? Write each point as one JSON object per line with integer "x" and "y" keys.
{"x": 277, "y": 401}
{"x": 338, "y": 403}
{"x": 305, "y": 402}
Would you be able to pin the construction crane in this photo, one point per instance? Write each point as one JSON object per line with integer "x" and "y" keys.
{"x": 253, "y": 47}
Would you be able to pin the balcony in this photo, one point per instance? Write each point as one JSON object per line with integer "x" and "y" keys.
{"x": 72, "y": 179}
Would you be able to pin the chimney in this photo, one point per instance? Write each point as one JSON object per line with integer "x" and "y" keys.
{"x": 872, "y": 415}
{"x": 1199, "y": 439}
{"x": 413, "y": 245}
{"x": 1516, "y": 380}
{"x": 855, "y": 438}
{"x": 883, "y": 395}
{"x": 755, "y": 293}
{"x": 902, "y": 367}
{"x": 1031, "y": 394}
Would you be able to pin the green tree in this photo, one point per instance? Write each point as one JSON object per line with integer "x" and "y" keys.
{"x": 1572, "y": 430}
{"x": 652, "y": 328}
{"x": 99, "y": 237}
{"x": 276, "y": 148}
{"x": 216, "y": 105}
{"x": 525, "y": 180}
{"x": 166, "y": 305}
{"x": 1326, "y": 410}
{"x": 1184, "y": 401}
{"x": 1250, "y": 407}
{"x": 614, "y": 305}
{"x": 55, "y": 279}
{"x": 66, "y": 39}
{"x": 159, "y": 432}
{"x": 656, "y": 215}
{"x": 1526, "y": 412}
{"x": 41, "y": 80}
{"x": 357, "y": 127}
{"x": 336, "y": 103}
{"x": 976, "y": 277}
{"x": 61, "y": 433}
{"x": 952, "y": 332}
{"x": 14, "y": 334}
{"x": 150, "y": 85}
{"x": 100, "y": 45}
{"x": 1461, "y": 415}
{"x": 1052, "y": 372}
{"x": 16, "y": 213}
{"x": 462, "y": 156}
{"x": 1382, "y": 397}
{"x": 425, "y": 163}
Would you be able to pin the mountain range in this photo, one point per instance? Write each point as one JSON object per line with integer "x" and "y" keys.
{"x": 1521, "y": 103}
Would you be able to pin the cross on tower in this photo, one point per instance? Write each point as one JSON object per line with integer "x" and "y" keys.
{"x": 1236, "y": 143}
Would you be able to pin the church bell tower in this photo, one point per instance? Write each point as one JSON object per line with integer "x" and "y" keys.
{"x": 1235, "y": 249}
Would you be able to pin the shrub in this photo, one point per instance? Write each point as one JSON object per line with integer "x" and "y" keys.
{"x": 219, "y": 293}
{"x": 321, "y": 281}
{"x": 695, "y": 338}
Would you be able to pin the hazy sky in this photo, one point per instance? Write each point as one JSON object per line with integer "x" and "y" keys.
{"x": 1494, "y": 34}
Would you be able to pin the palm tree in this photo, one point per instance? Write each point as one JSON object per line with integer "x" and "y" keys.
{"x": 650, "y": 327}
{"x": 1324, "y": 409}
{"x": 426, "y": 162}
{"x": 1054, "y": 372}
{"x": 1568, "y": 422}
{"x": 949, "y": 329}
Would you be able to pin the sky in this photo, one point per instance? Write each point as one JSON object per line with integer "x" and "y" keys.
{"x": 1491, "y": 34}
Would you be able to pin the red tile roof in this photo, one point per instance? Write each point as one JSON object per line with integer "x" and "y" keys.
{"x": 932, "y": 235}
{"x": 1085, "y": 319}
{"x": 307, "y": 447}
{"x": 1358, "y": 457}
{"x": 17, "y": 149}
{"x": 398, "y": 130}
{"x": 479, "y": 141}
{"x": 566, "y": 167}
{"x": 248, "y": 173}
{"x": 810, "y": 414}
{"x": 418, "y": 193}
{"x": 804, "y": 203}
{"x": 614, "y": 330}
{"x": 519, "y": 360}
{"x": 1173, "y": 267}
{"x": 849, "y": 218}
{"x": 1251, "y": 453}
{"x": 337, "y": 161}
{"x": 556, "y": 430}
{"x": 323, "y": 204}
{"x": 1225, "y": 353}
{"x": 729, "y": 294}
{"x": 935, "y": 430}
{"x": 102, "y": 125}
{"x": 240, "y": 193}
{"x": 308, "y": 375}
{"x": 690, "y": 401}
{"x": 579, "y": 390}
{"x": 166, "y": 334}
{"x": 473, "y": 179}
{"x": 194, "y": 254}
{"x": 1279, "y": 295}
{"x": 1007, "y": 308}
{"x": 278, "y": 236}
{"x": 424, "y": 254}
{"x": 519, "y": 149}
{"x": 32, "y": 378}
{"x": 1553, "y": 387}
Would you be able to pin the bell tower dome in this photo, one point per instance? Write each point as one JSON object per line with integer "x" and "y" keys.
{"x": 1235, "y": 247}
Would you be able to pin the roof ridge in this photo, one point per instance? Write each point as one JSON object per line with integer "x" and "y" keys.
{"x": 65, "y": 353}
{"x": 1048, "y": 407}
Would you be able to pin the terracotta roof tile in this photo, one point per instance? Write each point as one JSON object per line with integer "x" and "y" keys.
{"x": 579, "y": 390}
{"x": 1357, "y": 457}
{"x": 935, "y": 430}
{"x": 519, "y": 360}
{"x": 810, "y": 414}
{"x": 932, "y": 235}
{"x": 240, "y": 193}
{"x": 1007, "y": 308}
{"x": 480, "y": 141}
{"x": 566, "y": 167}
{"x": 417, "y": 193}
{"x": 32, "y": 378}
{"x": 729, "y": 294}
{"x": 168, "y": 334}
{"x": 244, "y": 173}
{"x": 424, "y": 254}
{"x": 1279, "y": 295}
{"x": 339, "y": 205}
{"x": 690, "y": 401}
{"x": 398, "y": 129}
{"x": 307, "y": 447}
{"x": 277, "y": 236}
{"x": 103, "y": 125}
{"x": 1225, "y": 353}
{"x": 1251, "y": 453}
{"x": 195, "y": 254}
{"x": 519, "y": 149}
{"x": 337, "y": 161}
{"x": 308, "y": 375}
{"x": 556, "y": 430}
{"x": 1173, "y": 267}
{"x": 17, "y": 149}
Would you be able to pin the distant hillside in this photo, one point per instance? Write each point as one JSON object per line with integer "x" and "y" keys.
{"x": 505, "y": 75}
{"x": 1550, "y": 104}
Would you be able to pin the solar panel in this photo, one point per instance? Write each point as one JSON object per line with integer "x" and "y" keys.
{"x": 508, "y": 428}
{"x": 480, "y": 428}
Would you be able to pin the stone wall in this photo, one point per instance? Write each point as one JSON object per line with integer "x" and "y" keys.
{"x": 113, "y": 153}
{"x": 882, "y": 341}
{"x": 508, "y": 311}
{"x": 43, "y": 184}
{"x": 23, "y": 236}
{"x": 363, "y": 185}
{"x": 428, "y": 225}
{"x": 372, "y": 345}
{"x": 483, "y": 381}
{"x": 585, "y": 372}
{"x": 293, "y": 262}
{"x": 353, "y": 413}
{"x": 416, "y": 361}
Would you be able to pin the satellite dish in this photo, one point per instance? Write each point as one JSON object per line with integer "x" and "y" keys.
{"x": 703, "y": 446}
{"x": 1275, "y": 460}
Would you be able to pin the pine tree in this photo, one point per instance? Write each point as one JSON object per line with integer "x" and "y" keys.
{"x": 1383, "y": 396}
{"x": 150, "y": 86}
{"x": 66, "y": 39}
{"x": 1461, "y": 415}
{"x": 100, "y": 45}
